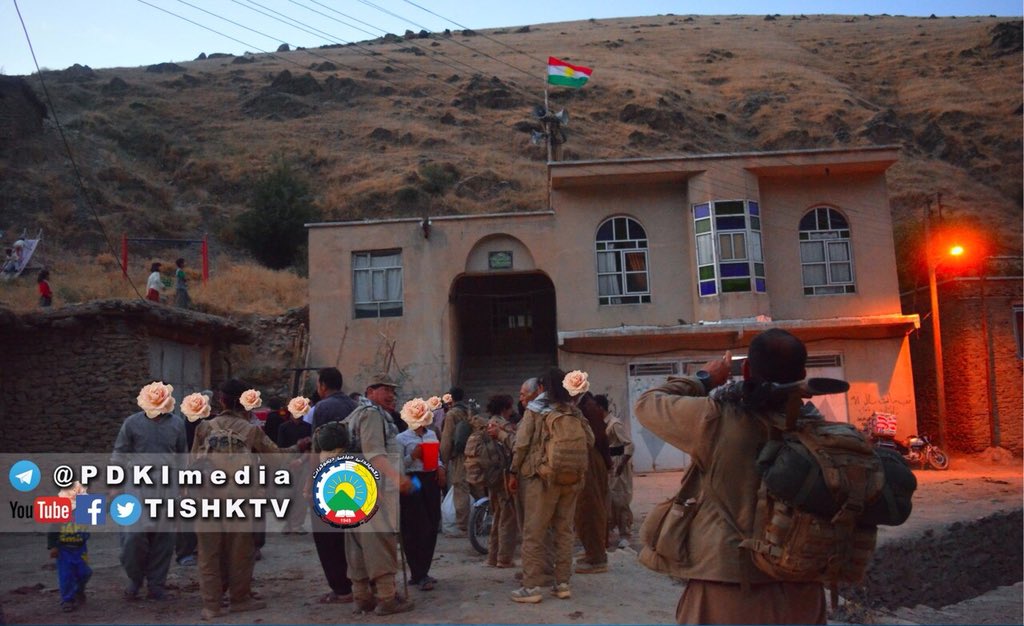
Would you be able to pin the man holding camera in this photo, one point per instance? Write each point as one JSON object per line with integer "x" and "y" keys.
{"x": 723, "y": 435}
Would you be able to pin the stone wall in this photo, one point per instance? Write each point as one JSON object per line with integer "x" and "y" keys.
{"x": 69, "y": 390}
{"x": 965, "y": 353}
{"x": 68, "y": 378}
{"x": 70, "y": 375}
{"x": 276, "y": 348}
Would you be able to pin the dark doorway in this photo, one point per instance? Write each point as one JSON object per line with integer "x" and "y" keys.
{"x": 505, "y": 329}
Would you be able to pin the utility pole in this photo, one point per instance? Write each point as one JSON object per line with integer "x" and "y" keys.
{"x": 940, "y": 379}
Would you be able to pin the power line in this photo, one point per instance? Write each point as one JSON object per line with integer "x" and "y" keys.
{"x": 482, "y": 34}
{"x": 357, "y": 45}
{"x": 71, "y": 157}
{"x": 459, "y": 43}
{"x": 270, "y": 54}
{"x": 213, "y": 30}
{"x": 381, "y": 30}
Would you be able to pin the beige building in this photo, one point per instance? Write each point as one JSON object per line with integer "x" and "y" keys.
{"x": 642, "y": 268}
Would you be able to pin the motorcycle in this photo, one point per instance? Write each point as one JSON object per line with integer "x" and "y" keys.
{"x": 480, "y": 524}
{"x": 917, "y": 449}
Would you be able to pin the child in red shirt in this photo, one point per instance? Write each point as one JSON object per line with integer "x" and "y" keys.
{"x": 45, "y": 294}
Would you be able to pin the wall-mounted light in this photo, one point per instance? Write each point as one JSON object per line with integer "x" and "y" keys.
{"x": 425, "y": 225}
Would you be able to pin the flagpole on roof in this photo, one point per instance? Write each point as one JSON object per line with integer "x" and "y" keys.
{"x": 547, "y": 126}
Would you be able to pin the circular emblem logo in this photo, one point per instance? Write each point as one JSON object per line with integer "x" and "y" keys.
{"x": 345, "y": 491}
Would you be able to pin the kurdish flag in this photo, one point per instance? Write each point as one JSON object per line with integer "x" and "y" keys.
{"x": 561, "y": 73}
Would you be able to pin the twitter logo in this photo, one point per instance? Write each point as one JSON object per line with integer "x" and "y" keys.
{"x": 125, "y": 509}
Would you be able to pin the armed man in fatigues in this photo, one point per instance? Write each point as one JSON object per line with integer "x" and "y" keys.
{"x": 723, "y": 436}
{"x": 229, "y": 442}
{"x": 373, "y": 556}
{"x": 454, "y": 458}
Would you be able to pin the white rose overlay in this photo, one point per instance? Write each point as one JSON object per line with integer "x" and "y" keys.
{"x": 576, "y": 382}
{"x": 433, "y": 403}
{"x": 156, "y": 399}
{"x": 446, "y": 398}
{"x": 251, "y": 400}
{"x": 417, "y": 413}
{"x": 195, "y": 407}
{"x": 298, "y": 406}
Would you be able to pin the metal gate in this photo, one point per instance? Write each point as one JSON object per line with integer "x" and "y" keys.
{"x": 177, "y": 364}
{"x": 653, "y": 454}
{"x": 833, "y": 407}
{"x": 650, "y": 452}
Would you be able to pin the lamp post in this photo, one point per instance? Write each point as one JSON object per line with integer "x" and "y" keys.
{"x": 933, "y": 292}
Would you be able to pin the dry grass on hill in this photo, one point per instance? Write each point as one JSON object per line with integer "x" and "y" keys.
{"x": 235, "y": 287}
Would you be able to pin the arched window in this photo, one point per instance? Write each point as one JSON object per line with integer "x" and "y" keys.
{"x": 826, "y": 256}
{"x": 622, "y": 262}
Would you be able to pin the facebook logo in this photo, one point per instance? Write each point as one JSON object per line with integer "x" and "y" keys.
{"x": 90, "y": 510}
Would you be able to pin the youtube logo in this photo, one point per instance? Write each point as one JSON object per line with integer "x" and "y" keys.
{"x": 52, "y": 510}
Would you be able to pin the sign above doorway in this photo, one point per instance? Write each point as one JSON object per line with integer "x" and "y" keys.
{"x": 499, "y": 260}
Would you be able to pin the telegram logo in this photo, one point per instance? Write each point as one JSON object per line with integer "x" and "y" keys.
{"x": 24, "y": 475}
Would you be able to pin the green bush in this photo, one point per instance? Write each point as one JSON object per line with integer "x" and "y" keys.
{"x": 273, "y": 229}
{"x": 436, "y": 178}
{"x": 410, "y": 198}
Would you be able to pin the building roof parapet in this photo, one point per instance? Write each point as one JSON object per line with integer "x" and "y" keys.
{"x": 727, "y": 334}
{"x": 677, "y": 169}
{"x": 433, "y": 218}
{"x": 157, "y": 316}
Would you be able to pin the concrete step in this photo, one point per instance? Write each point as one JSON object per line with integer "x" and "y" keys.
{"x": 482, "y": 377}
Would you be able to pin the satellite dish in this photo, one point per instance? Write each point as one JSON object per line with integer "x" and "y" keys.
{"x": 540, "y": 110}
{"x": 562, "y": 117}
{"x": 537, "y": 137}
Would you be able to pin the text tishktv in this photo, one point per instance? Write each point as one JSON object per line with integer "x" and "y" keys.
{"x": 166, "y": 492}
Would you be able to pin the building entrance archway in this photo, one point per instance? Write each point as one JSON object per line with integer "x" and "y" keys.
{"x": 504, "y": 330}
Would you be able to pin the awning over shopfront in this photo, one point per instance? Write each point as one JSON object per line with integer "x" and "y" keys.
{"x": 728, "y": 334}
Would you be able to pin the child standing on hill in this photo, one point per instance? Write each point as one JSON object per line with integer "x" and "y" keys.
{"x": 45, "y": 294}
{"x": 67, "y": 544}
{"x": 181, "y": 298}
{"x": 154, "y": 284}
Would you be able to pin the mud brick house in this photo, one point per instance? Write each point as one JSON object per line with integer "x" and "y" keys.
{"x": 640, "y": 269}
{"x": 981, "y": 348}
{"x": 70, "y": 376}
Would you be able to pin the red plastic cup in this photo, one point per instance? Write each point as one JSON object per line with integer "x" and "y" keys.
{"x": 430, "y": 451}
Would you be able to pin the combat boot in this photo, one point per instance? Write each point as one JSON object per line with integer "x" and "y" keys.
{"x": 247, "y": 605}
{"x": 363, "y": 597}
{"x": 395, "y": 604}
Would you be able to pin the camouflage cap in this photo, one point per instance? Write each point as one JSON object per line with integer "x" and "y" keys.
{"x": 381, "y": 380}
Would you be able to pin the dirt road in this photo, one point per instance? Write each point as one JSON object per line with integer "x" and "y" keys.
{"x": 290, "y": 579}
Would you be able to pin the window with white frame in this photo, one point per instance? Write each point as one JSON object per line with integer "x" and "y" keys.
{"x": 826, "y": 256}
{"x": 729, "y": 256}
{"x": 377, "y": 283}
{"x": 622, "y": 262}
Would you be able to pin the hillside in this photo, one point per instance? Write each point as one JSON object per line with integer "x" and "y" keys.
{"x": 440, "y": 123}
